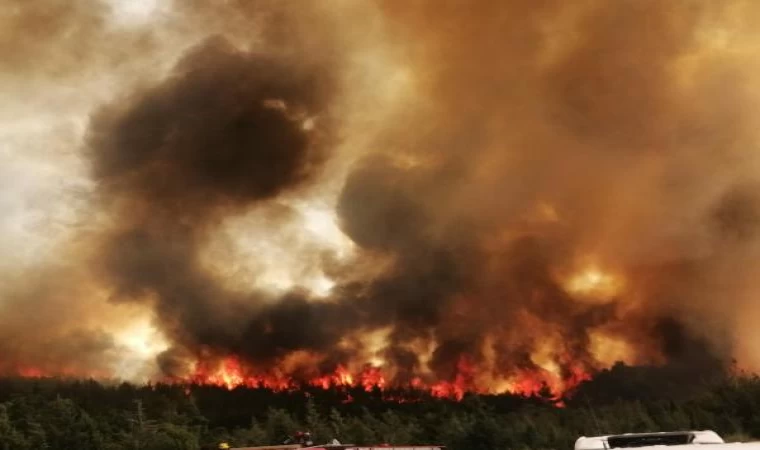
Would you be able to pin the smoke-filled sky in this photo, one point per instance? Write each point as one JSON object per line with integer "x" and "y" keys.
{"x": 489, "y": 189}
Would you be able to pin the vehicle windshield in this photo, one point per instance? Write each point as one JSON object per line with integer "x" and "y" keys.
{"x": 643, "y": 440}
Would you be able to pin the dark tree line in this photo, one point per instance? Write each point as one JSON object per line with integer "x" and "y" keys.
{"x": 66, "y": 414}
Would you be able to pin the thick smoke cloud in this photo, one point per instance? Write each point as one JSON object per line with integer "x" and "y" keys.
{"x": 602, "y": 123}
{"x": 558, "y": 186}
{"x": 218, "y": 133}
{"x": 226, "y": 130}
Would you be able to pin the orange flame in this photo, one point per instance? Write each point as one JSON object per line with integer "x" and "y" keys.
{"x": 231, "y": 374}
{"x": 64, "y": 372}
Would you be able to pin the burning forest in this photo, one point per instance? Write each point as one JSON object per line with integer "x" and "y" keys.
{"x": 446, "y": 195}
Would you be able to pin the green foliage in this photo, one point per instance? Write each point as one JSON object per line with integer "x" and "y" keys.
{"x": 58, "y": 414}
{"x": 10, "y": 436}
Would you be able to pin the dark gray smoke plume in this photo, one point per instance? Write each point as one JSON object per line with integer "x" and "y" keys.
{"x": 226, "y": 130}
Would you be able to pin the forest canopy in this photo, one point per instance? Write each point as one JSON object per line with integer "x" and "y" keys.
{"x": 68, "y": 414}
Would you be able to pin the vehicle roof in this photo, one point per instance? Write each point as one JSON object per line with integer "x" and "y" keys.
{"x": 666, "y": 438}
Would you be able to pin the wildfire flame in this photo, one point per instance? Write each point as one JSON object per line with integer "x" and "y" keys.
{"x": 554, "y": 375}
{"x": 232, "y": 374}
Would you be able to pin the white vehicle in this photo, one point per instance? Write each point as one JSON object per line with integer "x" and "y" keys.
{"x": 637, "y": 440}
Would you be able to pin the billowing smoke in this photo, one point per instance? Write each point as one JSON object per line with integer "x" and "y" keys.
{"x": 226, "y": 130}
{"x": 526, "y": 192}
